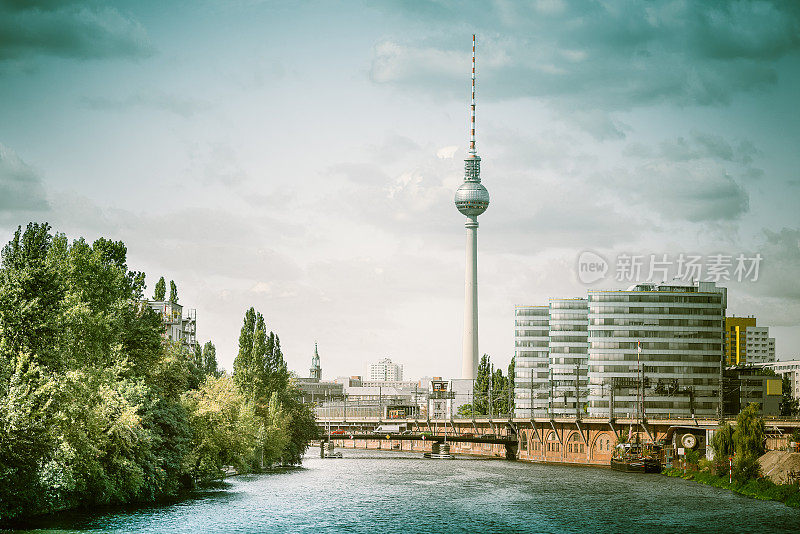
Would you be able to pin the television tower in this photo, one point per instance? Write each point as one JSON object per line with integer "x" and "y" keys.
{"x": 471, "y": 199}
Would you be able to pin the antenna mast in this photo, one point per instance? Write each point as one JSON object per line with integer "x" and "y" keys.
{"x": 472, "y": 109}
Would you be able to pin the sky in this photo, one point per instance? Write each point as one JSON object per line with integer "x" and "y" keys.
{"x": 302, "y": 158}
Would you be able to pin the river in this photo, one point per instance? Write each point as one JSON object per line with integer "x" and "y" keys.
{"x": 385, "y": 492}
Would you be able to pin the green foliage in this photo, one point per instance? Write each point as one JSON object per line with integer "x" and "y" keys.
{"x": 723, "y": 445}
{"x": 224, "y": 428}
{"x": 260, "y": 373}
{"x": 209, "y": 363}
{"x": 748, "y": 439}
{"x": 692, "y": 457}
{"x": 480, "y": 396}
{"x": 465, "y": 410}
{"x": 789, "y": 405}
{"x": 758, "y": 488}
{"x": 160, "y": 291}
{"x": 511, "y": 378}
{"x": 173, "y": 292}
{"x": 500, "y": 400}
{"x": 95, "y": 408}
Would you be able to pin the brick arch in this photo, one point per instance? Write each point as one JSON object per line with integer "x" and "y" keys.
{"x": 596, "y": 440}
{"x": 575, "y": 443}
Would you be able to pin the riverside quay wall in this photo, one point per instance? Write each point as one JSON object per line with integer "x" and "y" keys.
{"x": 587, "y": 441}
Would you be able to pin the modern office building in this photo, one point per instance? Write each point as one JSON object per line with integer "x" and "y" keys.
{"x": 736, "y": 329}
{"x": 568, "y": 346}
{"x": 760, "y": 348}
{"x": 385, "y": 370}
{"x": 177, "y": 326}
{"x": 656, "y": 350}
{"x": 531, "y": 361}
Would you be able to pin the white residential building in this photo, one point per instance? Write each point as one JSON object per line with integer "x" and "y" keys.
{"x": 385, "y": 370}
{"x": 177, "y": 327}
{"x": 759, "y": 347}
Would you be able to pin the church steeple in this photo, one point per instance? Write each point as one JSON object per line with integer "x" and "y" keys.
{"x": 316, "y": 370}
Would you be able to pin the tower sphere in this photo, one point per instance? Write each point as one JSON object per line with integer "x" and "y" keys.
{"x": 472, "y": 198}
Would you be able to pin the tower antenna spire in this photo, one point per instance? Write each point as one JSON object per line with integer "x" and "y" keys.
{"x": 472, "y": 108}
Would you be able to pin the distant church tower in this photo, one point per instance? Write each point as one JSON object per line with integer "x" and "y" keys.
{"x": 316, "y": 370}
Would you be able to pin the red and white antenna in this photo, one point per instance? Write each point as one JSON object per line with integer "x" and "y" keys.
{"x": 472, "y": 109}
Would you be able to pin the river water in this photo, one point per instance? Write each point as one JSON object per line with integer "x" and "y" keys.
{"x": 385, "y": 492}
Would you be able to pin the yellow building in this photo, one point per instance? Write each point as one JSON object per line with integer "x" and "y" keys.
{"x": 736, "y": 339}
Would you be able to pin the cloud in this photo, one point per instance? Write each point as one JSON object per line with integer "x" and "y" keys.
{"x": 600, "y": 55}
{"x": 694, "y": 191}
{"x": 447, "y": 152}
{"x": 697, "y": 146}
{"x": 21, "y": 187}
{"x": 152, "y": 99}
{"x": 78, "y": 29}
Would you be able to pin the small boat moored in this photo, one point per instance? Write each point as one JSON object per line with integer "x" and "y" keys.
{"x": 632, "y": 458}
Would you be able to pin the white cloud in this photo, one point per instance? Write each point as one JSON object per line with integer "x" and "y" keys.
{"x": 447, "y": 152}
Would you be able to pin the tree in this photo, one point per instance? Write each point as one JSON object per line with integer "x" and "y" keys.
{"x": 465, "y": 410}
{"x": 160, "y": 290}
{"x": 243, "y": 363}
{"x": 480, "y": 395}
{"x": 89, "y": 396}
{"x": 723, "y": 445}
{"x": 224, "y": 426}
{"x": 748, "y": 441}
{"x": 173, "y": 292}
{"x": 789, "y": 405}
{"x": 499, "y": 392}
{"x": 511, "y": 377}
{"x": 210, "y": 365}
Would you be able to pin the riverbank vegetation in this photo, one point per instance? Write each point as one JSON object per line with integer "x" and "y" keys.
{"x": 97, "y": 408}
{"x": 736, "y": 462}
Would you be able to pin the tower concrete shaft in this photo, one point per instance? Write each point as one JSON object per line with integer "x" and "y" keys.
{"x": 469, "y": 357}
{"x": 471, "y": 200}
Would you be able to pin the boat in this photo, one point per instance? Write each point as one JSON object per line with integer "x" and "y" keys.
{"x": 631, "y": 458}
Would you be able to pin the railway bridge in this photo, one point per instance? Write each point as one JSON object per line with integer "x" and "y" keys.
{"x": 557, "y": 440}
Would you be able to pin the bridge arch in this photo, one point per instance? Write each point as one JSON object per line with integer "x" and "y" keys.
{"x": 553, "y": 444}
{"x": 602, "y": 444}
{"x": 575, "y": 444}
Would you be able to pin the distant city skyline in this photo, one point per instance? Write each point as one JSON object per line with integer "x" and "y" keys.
{"x": 303, "y": 159}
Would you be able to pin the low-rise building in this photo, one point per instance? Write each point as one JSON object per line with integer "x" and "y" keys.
{"x": 790, "y": 368}
{"x": 743, "y": 386}
{"x": 178, "y": 327}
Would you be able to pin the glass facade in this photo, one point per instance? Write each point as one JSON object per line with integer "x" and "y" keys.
{"x": 531, "y": 362}
{"x": 568, "y": 344}
{"x": 656, "y": 350}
